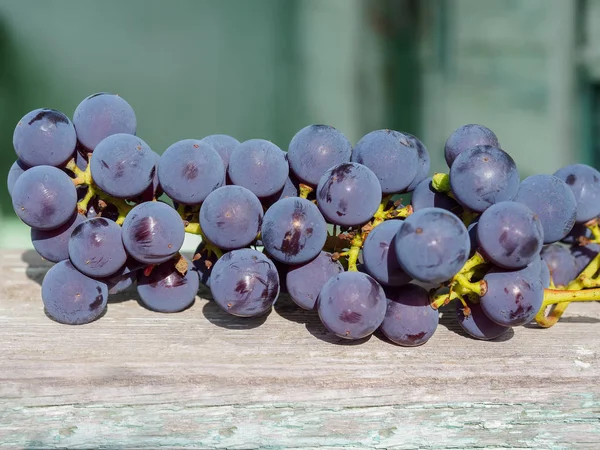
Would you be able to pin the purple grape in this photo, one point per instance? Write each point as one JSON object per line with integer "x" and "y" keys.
{"x": 432, "y": 245}
{"x": 561, "y": 264}
{"x": 290, "y": 189}
{"x": 231, "y": 217}
{"x": 101, "y": 115}
{"x": 352, "y": 305}
{"x": 545, "y": 276}
{"x": 348, "y": 194}
{"x": 204, "y": 263}
{"x": 223, "y": 144}
{"x": 16, "y": 170}
{"x": 125, "y": 277}
{"x": 482, "y": 176}
{"x": 584, "y": 254}
{"x": 293, "y": 231}
{"x": 425, "y": 196}
{"x": 424, "y": 163}
{"x": 81, "y": 159}
{"x": 123, "y": 165}
{"x": 259, "y": 166}
{"x": 466, "y": 137}
{"x": 71, "y": 297}
{"x": 304, "y": 282}
{"x": 315, "y": 149}
{"x": 381, "y": 263}
{"x": 409, "y": 319}
{"x": 44, "y": 137}
{"x": 554, "y": 203}
{"x": 53, "y": 245}
{"x": 189, "y": 170}
{"x": 166, "y": 290}
{"x": 584, "y": 182}
{"x": 477, "y": 324}
{"x": 392, "y": 156}
{"x": 510, "y": 234}
{"x": 44, "y": 197}
{"x": 244, "y": 283}
{"x": 153, "y": 232}
{"x": 122, "y": 284}
{"x": 96, "y": 248}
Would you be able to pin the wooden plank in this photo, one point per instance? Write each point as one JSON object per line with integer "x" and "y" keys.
{"x": 202, "y": 379}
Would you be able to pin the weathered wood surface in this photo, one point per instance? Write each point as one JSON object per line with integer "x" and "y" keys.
{"x": 201, "y": 379}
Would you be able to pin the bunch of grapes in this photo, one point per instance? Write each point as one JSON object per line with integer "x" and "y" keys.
{"x": 323, "y": 221}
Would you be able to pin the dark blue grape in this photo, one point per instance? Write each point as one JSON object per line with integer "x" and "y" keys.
{"x": 392, "y": 156}
{"x": 123, "y": 165}
{"x": 477, "y": 324}
{"x": 53, "y": 245}
{"x": 244, "y": 283}
{"x": 432, "y": 245}
{"x": 223, "y": 144}
{"x": 423, "y": 165}
{"x": 315, "y": 149}
{"x": 348, "y": 194}
{"x": 167, "y": 290}
{"x": 231, "y": 217}
{"x": 379, "y": 256}
{"x": 482, "y": 176}
{"x": 561, "y": 264}
{"x": 352, "y": 305}
{"x": 510, "y": 234}
{"x": 293, "y": 231}
{"x": 153, "y": 232}
{"x": 189, "y": 170}
{"x": 203, "y": 263}
{"x": 71, "y": 297}
{"x": 584, "y": 254}
{"x": 425, "y": 196}
{"x": 259, "y": 166}
{"x": 554, "y": 203}
{"x": 44, "y": 197}
{"x": 466, "y": 137}
{"x": 409, "y": 319}
{"x": 584, "y": 182}
{"x": 44, "y": 137}
{"x": 101, "y": 115}
{"x": 96, "y": 248}
{"x": 304, "y": 282}
{"x": 16, "y": 170}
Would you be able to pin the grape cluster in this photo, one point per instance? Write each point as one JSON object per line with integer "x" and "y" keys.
{"x": 323, "y": 222}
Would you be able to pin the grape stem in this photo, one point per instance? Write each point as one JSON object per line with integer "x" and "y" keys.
{"x": 355, "y": 246}
{"x": 194, "y": 228}
{"x": 305, "y": 190}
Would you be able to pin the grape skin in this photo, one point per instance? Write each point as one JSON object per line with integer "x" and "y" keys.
{"x": 466, "y": 137}
{"x": 223, "y": 144}
{"x": 425, "y": 196}
{"x": 561, "y": 264}
{"x": 290, "y": 189}
{"x": 584, "y": 254}
{"x": 16, "y": 170}
{"x": 424, "y": 162}
{"x": 379, "y": 257}
{"x": 293, "y": 231}
{"x": 44, "y": 197}
{"x": 53, "y": 245}
{"x": 304, "y": 282}
{"x": 409, "y": 319}
{"x": 124, "y": 277}
{"x": 352, "y": 305}
{"x": 71, "y": 297}
{"x": 244, "y": 283}
{"x": 477, "y": 324}
{"x": 584, "y": 182}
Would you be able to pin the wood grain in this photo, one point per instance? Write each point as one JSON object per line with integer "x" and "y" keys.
{"x": 203, "y": 379}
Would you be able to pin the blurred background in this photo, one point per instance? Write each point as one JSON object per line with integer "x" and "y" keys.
{"x": 527, "y": 69}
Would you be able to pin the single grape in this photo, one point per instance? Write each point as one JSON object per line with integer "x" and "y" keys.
{"x": 223, "y": 144}
{"x": 96, "y": 248}
{"x": 189, "y": 170}
{"x": 44, "y": 197}
{"x": 315, "y": 149}
{"x": 584, "y": 182}
{"x": 259, "y": 166}
{"x": 125, "y": 277}
{"x": 510, "y": 234}
{"x": 352, "y": 305}
{"x": 392, "y": 156}
{"x": 44, "y": 137}
{"x": 71, "y": 297}
{"x": 305, "y": 281}
{"x": 584, "y": 254}
{"x": 167, "y": 290}
{"x": 561, "y": 263}
{"x": 203, "y": 263}
{"x": 244, "y": 283}
{"x": 123, "y": 165}
{"x": 348, "y": 194}
{"x": 424, "y": 163}
{"x": 432, "y": 245}
{"x": 153, "y": 232}
{"x": 477, "y": 324}
{"x": 409, "y": 319}
{"x": 554, "y": 203}
{"x": 290, "y": 189}
{"x": 466, "y": 137}
{"x": 379, "y": 257}
{"x": 293, "y": 230}
{"x": 53, "y": 245}
{"x": 482, "y": 176}
{"x": 231, "y": 217}
{"x": 101, "y": 115}
{"x": 16, "y": 170}
{"x": 425, "y": 196}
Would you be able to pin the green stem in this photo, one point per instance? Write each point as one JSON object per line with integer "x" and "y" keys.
{"x": 355, "y": 246}
{"x": 441, "y": 182}
{"x": 305, "y": 190}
